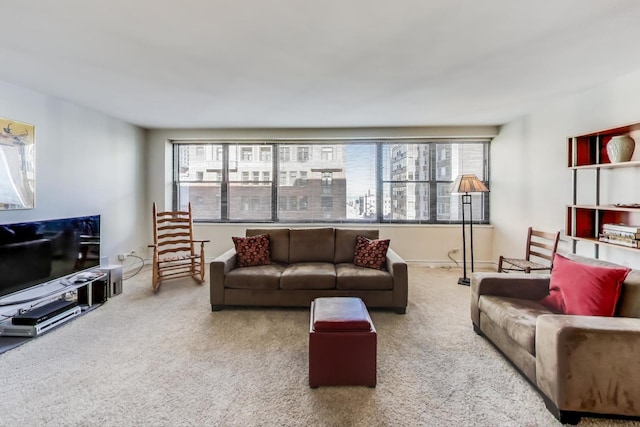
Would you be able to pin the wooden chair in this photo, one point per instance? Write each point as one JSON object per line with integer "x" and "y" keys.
{"x": 174, "y": 252}
{"x": 541, "y": 245}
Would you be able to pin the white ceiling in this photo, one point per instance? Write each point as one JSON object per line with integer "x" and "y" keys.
{"x": 316, "y": 63}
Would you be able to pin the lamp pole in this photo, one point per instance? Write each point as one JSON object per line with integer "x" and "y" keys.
{"x": 464, "y": 280}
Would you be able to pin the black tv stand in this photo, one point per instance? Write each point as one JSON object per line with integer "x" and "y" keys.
{"x": 84, "y": 291}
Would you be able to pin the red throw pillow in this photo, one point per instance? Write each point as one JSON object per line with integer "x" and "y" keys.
{"x": 252, "y": 250}
{"x": 584, "y": 289}
{"x": 370, "y": 253}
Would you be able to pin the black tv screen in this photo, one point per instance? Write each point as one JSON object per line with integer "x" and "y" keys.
{"x": 32, "y": 253}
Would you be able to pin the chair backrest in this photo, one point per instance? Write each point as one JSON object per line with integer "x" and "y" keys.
{"x": 542, "y": 244}
{"x": 173, "y": 231}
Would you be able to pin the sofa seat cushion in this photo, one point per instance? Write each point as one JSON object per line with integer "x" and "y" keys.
{"x": 257, "y": 277}
{"x": 309, "y": 275}
{"x": 517, "y": 317}
{"x": 350, "y": 276}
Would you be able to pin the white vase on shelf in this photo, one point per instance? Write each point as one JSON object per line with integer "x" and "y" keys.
{"x": 620, "y": 148}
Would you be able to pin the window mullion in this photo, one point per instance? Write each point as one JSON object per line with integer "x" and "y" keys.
{"x": 433, "y": 183}
{"x": 176, "y": 177}
{"x": 379, "y": 182}
{"x": 275, "y": 181}
{"x": 224, "y": 185}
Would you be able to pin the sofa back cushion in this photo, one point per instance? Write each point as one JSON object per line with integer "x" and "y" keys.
{"x": 346, "y": 243}
{"x": 311, "y": 245}
{"x": 629, "y": 302}
{"x": 278, "y": 242}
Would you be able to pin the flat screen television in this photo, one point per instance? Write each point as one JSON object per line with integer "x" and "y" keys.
{"x": 37, "y": 252}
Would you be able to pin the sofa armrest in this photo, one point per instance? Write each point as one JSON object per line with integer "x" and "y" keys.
{"x": 589, "y": 363}
{"x": 513, "y": 285}
{"x": 397, "y": 267}
{"x": 218, "y": 269}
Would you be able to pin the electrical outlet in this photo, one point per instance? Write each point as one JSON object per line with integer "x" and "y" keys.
{"x": 121, "y": 257}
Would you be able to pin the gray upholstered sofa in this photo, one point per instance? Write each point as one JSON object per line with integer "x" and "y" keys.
{"x": 307, "y": 264}
{"x": 581, "y": 365}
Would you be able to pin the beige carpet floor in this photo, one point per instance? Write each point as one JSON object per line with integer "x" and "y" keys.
{"x": 165, "y": 359}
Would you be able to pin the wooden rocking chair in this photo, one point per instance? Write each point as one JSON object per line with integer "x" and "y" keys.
{"x": 540, "y": 244}
{"x": 174, "y": 252}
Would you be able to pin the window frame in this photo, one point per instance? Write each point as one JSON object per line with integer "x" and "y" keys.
{"x": 284, "y": 148}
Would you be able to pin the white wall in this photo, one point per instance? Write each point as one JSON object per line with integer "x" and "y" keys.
{"x": 428, "y": 244}
{"x": 530, "y": 180}
{"x": 86, "y": 163}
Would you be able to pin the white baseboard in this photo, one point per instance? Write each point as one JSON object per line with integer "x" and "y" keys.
{"x": 478, "y": 265}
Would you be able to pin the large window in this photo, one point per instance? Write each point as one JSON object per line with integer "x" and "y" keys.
{"x": 317, "y": 181}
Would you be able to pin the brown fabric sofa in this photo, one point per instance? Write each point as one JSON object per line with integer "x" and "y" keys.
{"x": 582, "y": 365}
{"x": 307, "y": 264}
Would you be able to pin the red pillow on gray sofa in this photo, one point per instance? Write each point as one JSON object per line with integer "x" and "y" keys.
{"x": 370, "y": 253}
{"x": 589, "y": 290}
{"x": 252, "y": 251}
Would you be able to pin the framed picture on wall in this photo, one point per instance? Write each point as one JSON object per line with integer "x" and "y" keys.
{"x": 17, "y": 165}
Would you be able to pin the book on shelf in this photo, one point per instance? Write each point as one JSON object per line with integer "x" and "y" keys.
{"x": 618, "y": 240}
{"x": 625, "y": 228}
{"x": 611, "y": 236}
{"x": 623, "y": 234}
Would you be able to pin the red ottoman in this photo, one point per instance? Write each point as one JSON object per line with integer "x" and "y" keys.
{"x": 342, "y": 343}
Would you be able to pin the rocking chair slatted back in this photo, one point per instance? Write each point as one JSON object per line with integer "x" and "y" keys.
{"x": 174, "y": 253}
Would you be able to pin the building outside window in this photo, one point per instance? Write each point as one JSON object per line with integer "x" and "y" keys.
{"x": 285, "y": 154}
{"x": 247, "y": 154}
{"x": 303, "y": 154}
{"x": 265, "y": 154}
{"x": 327, "y": 153}
{"x": 327, "y": 179}
{"x": 293, "y": 203}
{"x": 326, "y": 204}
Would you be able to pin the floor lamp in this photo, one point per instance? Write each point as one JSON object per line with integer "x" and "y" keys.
{"x": 465, "y": 184}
